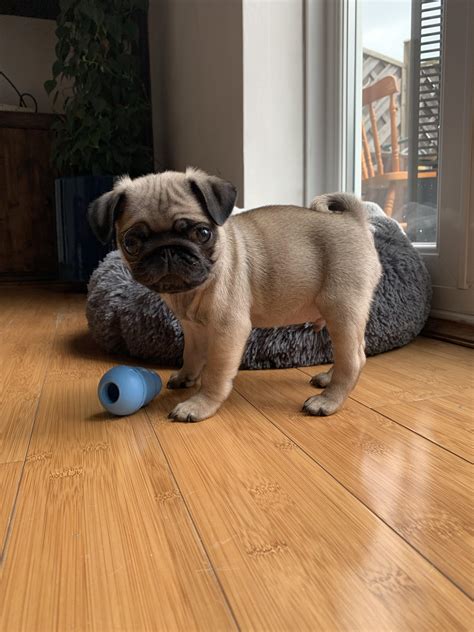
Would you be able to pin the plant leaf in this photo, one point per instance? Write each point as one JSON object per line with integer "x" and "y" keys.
{"x": 49, "y": 85}
{"x": 57, "y": 68}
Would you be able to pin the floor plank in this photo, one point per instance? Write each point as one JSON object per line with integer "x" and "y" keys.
{"x": 380, "y": 386}
{"x": 424, "y": 369}
{"x": 27, "y": 329}
{"x": 9, "y": 478}
{"x": 434, "y": 366}
{"x": 292, "y": 548}
{"x": 447, "y": 421}
{"x": 101, "y": 538}
{"x": 422, "y": 491}
{"x": 443, "y": 349}
{"x": 426, "y": 386}
{"x": 28, "y": 322}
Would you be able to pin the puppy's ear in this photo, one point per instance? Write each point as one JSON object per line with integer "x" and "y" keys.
{"x": 216, "y": 196}
{"x": 104, "y": 212}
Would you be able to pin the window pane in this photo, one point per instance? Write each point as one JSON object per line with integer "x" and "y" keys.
{"x": 401, "y": 110}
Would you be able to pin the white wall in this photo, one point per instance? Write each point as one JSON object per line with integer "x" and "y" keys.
{"x": 196, "y": 82}
{"x": 273, "y": 102}
{"x": 26, "y": 56}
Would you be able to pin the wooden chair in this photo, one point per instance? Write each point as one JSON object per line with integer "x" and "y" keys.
{"x": 375, "y": 176}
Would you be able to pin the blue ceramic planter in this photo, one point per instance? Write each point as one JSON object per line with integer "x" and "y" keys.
{"x": 79, "y": 252}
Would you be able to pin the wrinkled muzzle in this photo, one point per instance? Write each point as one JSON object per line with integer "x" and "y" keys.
{"x": 171, "y": 268}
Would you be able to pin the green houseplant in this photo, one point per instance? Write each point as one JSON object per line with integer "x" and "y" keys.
{"x": 102, "y": 130}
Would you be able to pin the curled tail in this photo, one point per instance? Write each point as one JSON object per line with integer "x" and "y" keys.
{"x": 340, "y": 203}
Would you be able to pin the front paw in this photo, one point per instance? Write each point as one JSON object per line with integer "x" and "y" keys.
{"x": 195, "y": 408}
{"x": 320, "y": 406}
{"x": 180, "y": 380}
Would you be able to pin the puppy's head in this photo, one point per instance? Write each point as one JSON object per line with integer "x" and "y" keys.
{"x": 167, "y": 226}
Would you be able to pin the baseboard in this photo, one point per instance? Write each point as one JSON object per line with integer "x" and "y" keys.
{"x": 49, "y": 284}
{"x": 454, "y": 317}
{"x": 450, "y": 331}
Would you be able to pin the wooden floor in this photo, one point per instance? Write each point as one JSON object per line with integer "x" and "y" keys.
{"x": 260, "y": 518}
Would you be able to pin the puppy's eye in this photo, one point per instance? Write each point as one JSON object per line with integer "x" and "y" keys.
{"x": 203, "y": 234}
{"x": 132, "y": 241}
{"x": 132, "y": 244}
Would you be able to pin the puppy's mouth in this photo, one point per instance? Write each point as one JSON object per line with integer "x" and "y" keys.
{"x": 172, "y": 269}
{"x": 173, "y": 284}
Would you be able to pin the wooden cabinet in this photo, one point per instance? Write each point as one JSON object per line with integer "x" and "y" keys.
{"x": 27, "y": 217}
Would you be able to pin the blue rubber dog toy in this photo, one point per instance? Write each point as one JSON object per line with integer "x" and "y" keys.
{"x": 124, "y": 389}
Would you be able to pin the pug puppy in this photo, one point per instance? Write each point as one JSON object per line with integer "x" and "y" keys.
{"x": 222, "y": 275}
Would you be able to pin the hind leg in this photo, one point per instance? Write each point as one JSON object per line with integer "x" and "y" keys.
{"x": 321, "y": 380}
{"x": 346, "y": 328}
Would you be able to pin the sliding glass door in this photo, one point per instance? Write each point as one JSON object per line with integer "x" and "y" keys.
{"x": 401, "y": 94}
{"x": 406, "y": 75}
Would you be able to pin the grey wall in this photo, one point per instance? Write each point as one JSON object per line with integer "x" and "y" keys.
{"x": 197, "y": 85}
{"x": 228, "y": 92}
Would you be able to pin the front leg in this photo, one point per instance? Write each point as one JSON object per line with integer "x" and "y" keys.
{"x": 194, "y": 356}
{"x": 226, "y": 344}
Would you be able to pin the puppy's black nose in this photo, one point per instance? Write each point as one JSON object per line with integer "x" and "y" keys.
{"x": 174, "y": 254}
{"x": 160, "y": 259}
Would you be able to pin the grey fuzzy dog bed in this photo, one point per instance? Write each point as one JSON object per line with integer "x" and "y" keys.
{"x": 125, "y": 317}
